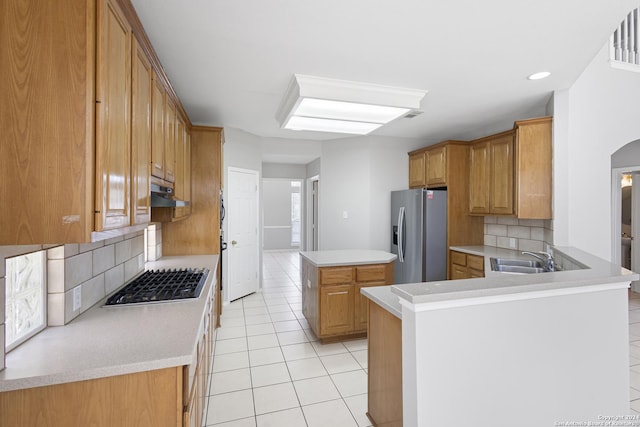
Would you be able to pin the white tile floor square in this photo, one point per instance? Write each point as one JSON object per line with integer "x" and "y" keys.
{"x": 270, "y": 370}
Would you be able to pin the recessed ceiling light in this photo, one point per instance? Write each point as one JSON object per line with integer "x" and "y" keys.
{"x": 540, "y": 75}
{"x": 340, "y": 106}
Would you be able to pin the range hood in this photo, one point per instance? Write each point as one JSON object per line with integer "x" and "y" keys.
{"x": 162, "y": 197}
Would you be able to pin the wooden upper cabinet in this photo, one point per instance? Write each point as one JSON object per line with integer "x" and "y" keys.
{"x": 141, "y": 90}
{"x": 519, "y": 170}
{"x": 170, "y": 140}
{"x": 47, "y": 125}
{"x": 533, "y": 165}
{"x": 113, "y": 118}
{"x": 491, "y": 175}
{"x": 79, "y": 177}
{"x": 417, "y": 170}
{"x": 157, "y": 127}
{"x": 436, "y": 167}
{"x": 479, "y": 178}
{"x": 182, "y": 170}
{"x": 501, "y": 194}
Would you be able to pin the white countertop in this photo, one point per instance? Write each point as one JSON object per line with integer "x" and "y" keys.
{"x": 383, "y": 296}
{"x": 115, "y": 340}
{"x": 600, "y": 272}
{"x": 347, "y": 257}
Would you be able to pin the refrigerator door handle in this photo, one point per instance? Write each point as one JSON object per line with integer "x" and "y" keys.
{"x": 401, "y": 234}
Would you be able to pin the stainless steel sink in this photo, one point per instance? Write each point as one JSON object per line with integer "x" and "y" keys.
{"x": 521, "y": 266}
{"x": 515, "y": 262}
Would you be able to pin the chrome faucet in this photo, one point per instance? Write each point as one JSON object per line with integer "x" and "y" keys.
{"x": 545, "y": 257}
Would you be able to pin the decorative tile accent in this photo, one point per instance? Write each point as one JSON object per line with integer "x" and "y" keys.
{"x": 24, "y": 297}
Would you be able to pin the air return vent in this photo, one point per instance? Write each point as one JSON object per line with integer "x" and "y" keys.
{"x": 413, "y": 113}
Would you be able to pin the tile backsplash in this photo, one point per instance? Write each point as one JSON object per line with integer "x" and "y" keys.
{"x": 518, "y": 234}
{"x": 93, "y": 270}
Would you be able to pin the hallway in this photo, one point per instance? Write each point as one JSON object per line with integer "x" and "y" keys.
{"x": 270, "y": 370}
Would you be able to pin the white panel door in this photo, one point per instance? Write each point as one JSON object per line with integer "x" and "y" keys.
{"x": 242, "y": 214}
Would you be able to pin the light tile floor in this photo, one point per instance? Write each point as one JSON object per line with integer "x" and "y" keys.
{"x": 634, "y": 351}
{"x": 269, "y": 369}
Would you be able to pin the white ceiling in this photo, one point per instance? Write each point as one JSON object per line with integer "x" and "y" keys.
{"x": 230, "y": 61}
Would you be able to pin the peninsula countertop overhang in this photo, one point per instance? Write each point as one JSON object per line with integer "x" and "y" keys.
{"x": 598, "y": 273}
{"x": 334, "y": 258}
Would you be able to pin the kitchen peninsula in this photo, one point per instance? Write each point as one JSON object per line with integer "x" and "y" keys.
{"x": 331, "y": 283}
{"x": 526, "y": 350}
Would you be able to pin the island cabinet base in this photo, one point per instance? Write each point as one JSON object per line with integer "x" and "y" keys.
{"x": 385, "y": 368}
{"x": 150, "y": 398}
{"x": 331, "y": 298}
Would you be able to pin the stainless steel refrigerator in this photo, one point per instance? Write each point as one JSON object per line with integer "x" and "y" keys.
{"x": 419, "y": 235}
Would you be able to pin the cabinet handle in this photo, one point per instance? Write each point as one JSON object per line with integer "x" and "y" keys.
{"x": 338, "y": 293}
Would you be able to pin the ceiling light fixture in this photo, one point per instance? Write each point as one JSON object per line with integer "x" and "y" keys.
{"x": 540, "y": 75}
{"x": 340, "y": 106}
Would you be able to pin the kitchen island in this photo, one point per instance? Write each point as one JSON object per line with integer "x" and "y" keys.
{"x": 141, "y": 364}
{"x": 526, "y": 350}
{"x": 331, "y": 283}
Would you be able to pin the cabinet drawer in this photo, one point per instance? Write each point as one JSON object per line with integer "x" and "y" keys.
{"x": 370, "y": 273}
{"x": 476, "y": 262}
{"x": 458, "y": 258}
{"x": 333, "y": 276}
{"x": 475, "y": 274}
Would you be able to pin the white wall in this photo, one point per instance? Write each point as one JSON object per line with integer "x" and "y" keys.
{"x": 282, "y": 170}
{"x": 357, "y": 176}
{"x": 527, "y": 363}
{"x": 241, "y": 150}
{"x": 592, "y": 119}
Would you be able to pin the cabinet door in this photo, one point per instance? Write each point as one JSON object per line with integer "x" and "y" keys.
{"x": 179, "y": 183}
{"x": 187, "y": 170}
{"x": 113, "y": 118}
{"x": 459, "y": 272}
{"x": 479, "y": 182}
{"x": 361, "y": 307}
{"x": 140, "y": 135}
{"x": 501, "y": 201}
{"x": 417, "y": 172}
{"x": 437, "y": 167}
{"x": 336, "y": 309}
{"x": 170, "y": 140}
{"x": 157, "y": 128}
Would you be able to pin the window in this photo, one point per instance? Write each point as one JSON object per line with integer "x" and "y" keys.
{"x": 25, "y": 297}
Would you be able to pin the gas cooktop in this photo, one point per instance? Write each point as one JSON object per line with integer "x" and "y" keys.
{"x": 161, "y": 285}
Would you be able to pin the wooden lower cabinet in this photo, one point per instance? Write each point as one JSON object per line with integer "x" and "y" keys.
{"x": 384, "y": 367}
{"x": 337, "y": 314}
{"x": 151, "y": 398}
{"x": 331, "y": 299}
{"x": 465, "y": 266}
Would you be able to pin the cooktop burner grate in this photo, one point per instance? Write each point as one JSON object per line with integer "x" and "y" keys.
{"x": 161, "y": 285}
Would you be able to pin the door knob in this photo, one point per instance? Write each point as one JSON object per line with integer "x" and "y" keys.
{"x": 233, "y": 242}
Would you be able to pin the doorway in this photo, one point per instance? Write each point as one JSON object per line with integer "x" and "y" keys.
{"x": 282, "y": 213}
{"x": 626, "y": 208}
{"x": 313, "y": 203}
{"x": 243, "y": 220}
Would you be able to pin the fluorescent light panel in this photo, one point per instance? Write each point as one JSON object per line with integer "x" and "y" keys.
{"x": 330, "y": 125}
{"x": 351, "y": 111}
{"x": 341, "y": 106}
